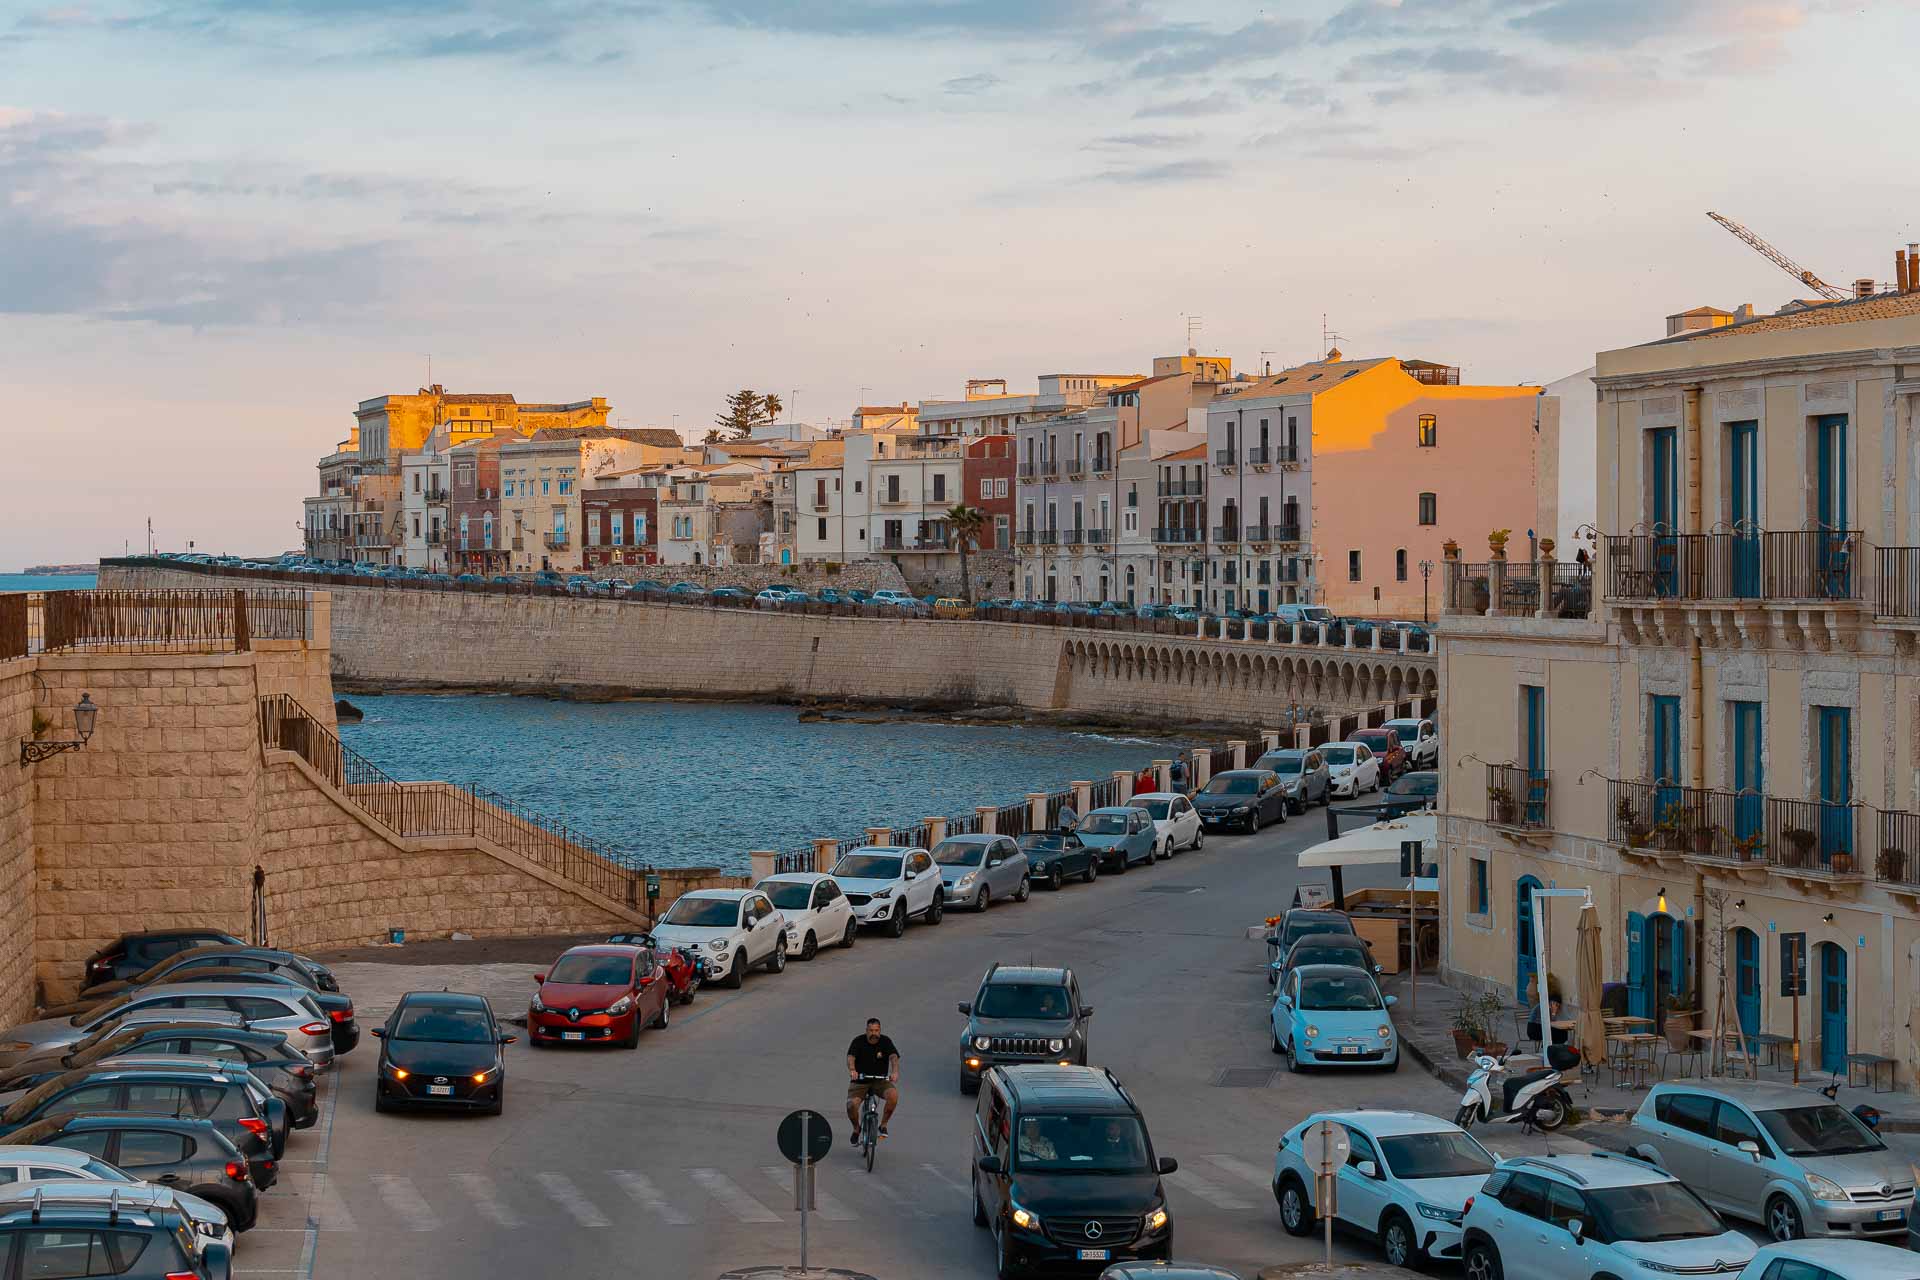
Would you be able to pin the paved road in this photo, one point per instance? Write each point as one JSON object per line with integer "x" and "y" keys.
{"x": 661, "y": 1161}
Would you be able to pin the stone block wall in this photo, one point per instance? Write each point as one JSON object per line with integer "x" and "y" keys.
{"x": 17, "y": 898}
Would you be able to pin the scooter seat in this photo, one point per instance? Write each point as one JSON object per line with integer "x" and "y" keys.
{"x": 1511, "y": 1087}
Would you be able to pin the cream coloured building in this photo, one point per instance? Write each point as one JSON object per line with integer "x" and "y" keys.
{"x": 1718, "y": 731}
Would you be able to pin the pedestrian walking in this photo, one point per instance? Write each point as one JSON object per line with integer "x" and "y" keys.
{"x": 1585, "y": 561}
{"x": 1179, "y": 773}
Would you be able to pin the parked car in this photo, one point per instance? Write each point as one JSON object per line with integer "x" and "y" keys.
{"x": 442, "y": 1050}
{"x": 1244, "y": 798}
{"x": 601, "y": 993}
{"x": 310, "y": 973}
{"x": 271, "y": 1106}
{"x": 728, "y": 595}
{"x": 344, "y": 1030}
{"x": 1592, "y": 1215}
{"x": 1320, "y": 948}
{"x": 1022, "y": 1013}
{"x": 1411, "y": 793}
{"x": 772, "y": 596}
{"x": 129, "y": 1028}
{"x": 1303, "y": 774}
{"x": 976, "y": 869}
{"x": 1795, "y": 1163}
{"x": 951, "y": 607}
{"x": 816, "y": 909}
{"x": 886, "y": 595}
{"x": 1334, "y": 1015}
{"x": 1355, "y": 770}
{"x": 1175, "y": 820}
{"x": 1298, "y": 922}
{"x": 266, "y": 1055}
{"x": 130, "y": 953}
{"x": 151, "y": 1149}
{"x": 1831, "y": 1260}
{"x": 1421, "y": 740}
{"x": 687, "y": 591}
{"x": 1386, "y": 748}
{"x": 1064, "y": 1173}
{"x": 60, "y": 1228}
{"x": 286, "y": 1009}
{"x": 1052, "y": 856}
{"x": 1120, "y": 836}
{"x": 1406, "y": 1182}
{"x": 734, "y": 929}
{"x": 685, "y": 967}
{"x": 888, "y": 885}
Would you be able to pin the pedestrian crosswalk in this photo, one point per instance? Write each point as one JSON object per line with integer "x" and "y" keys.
{"x": 755, "y": 1195}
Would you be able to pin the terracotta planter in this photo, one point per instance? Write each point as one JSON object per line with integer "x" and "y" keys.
{"x": 1462, "y": 1042}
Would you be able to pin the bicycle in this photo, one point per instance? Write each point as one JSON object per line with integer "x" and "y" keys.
{"x": 870, "y": 1120}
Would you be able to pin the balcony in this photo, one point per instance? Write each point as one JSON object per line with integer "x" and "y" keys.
{"x": 1227, "y": 534}
{"x": 436, "y": 537}
{"x": 1025, "y": 537}
{"x": 1519, "y": 797}
{"x": 557, "y": 541}
{"x": 890, "y": 498}
{"x": 1077, "y": 467}
{"x": 1181, "y": 488}
{"x": 1225, "y": 457}
{"x": 1102, "y": 464}
{"x": 1176, "y": 534}
{"x": 1816, "y": 565}
{"x": 1754, "y": 835}
{"x": 437, "y": 495}
{"x": 1028, "y": 472}
{"x": 1259, "y": 533}
{"x": 1076, "y": 537}
{"x": 821, "y": 504}
{"x": 1049, "y": 537}
{"x": 1100, "y": 537}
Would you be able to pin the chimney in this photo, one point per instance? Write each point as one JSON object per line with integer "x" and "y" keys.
{"x": 1863, "y": 287}
{"x": 1743, "y": 312}
{"x": 1900, "y": 281}
{"x": 1913, "y": 267}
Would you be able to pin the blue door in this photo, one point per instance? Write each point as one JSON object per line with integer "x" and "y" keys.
{"x": 1664, "y": 507}
{"x": 1664, "y": 712}
{"x": 1534, "y": 752}
{"x": 786, "y": 555}
{"x": 1833, "y": 570}
{"x": 1527, "y": 961}
{"x": 1670, "y": 962}
{"x": 1833, "y": 1008}
{"x": 1640, "y": 1001}
{"x": 1749, "y": 782}
{"x": 1746, "y": 980}
{"x": 1835, "y": 727}
{"x": 1743, "y": 508}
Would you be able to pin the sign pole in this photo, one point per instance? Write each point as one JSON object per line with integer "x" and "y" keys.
{"x": 1793, "y": 985}
{"x": 803, "y": 1175}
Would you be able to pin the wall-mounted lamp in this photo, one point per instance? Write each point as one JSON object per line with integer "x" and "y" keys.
{"x": 1827, "y": 918}
{"x": 1660, "y": 905}
{"x": 1740, "y": 905}
{"x": 33, "y": 751}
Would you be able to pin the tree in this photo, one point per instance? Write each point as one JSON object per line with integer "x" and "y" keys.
{"x": 965, "y": 524}
{"x": 744, "y": 410}
{"x": 771, "y": 407}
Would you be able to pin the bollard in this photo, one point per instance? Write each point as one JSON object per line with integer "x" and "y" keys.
{"x": 826, "y": 852}
{"x": 762, "y": 862}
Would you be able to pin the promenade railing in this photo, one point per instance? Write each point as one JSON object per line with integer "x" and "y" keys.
{"x": 217, "y": 621}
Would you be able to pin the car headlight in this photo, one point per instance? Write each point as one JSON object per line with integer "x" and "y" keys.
{"x": 884, "y": 893}
{"x": 1022, "y": 1216}
{"x": 538, "y": 1007}
{"x": 1439, "y": 1213}
{"x": 964, "y": 881}
{"x": 398, "y": 1073}
{"x": 620, "y": 1006}
{"x": 1157, "y": 1218}
{"x": 1056, "y": 1046}
{"x": 1312, "y": 1032}
{"x": 1239, "y": 809}
{"x": 1825, "y": 1188}
{"x": 983, "y": 1043}
{"x": 718, "y": 944}
{"x": 1386, "y": 1032}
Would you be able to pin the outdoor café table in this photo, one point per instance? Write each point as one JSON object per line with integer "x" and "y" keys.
{"x": 1636, "y": 1058}
{"x": 1772, "y": 1044}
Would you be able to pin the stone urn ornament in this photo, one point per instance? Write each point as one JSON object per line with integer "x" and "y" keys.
{"x": 1546, "y": 548}
{"x": 1497, "y": 541}
{"x": 1450, "y": 549}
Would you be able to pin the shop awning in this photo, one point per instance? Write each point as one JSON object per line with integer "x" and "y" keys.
{"x": 1377, "y": 845}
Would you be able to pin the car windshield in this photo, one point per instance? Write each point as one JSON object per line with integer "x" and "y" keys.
{"x": 1435, "y": 1155}
{"x": 789, "y": 895}
{"x": 1158, "y": 810}
{"x": 1080, "y": 1144}
{"x": 592, "y": 971}
{"x": 1103, "y": 824}
{"x": 443, "y": 1024}
{"x": 1338, "y": 991}
{"x": 1022, "y": 1000}
{"x": 1282, "y": 764}
{"x": 959, "y": 853}
{"x": 1233, "y": 784}
{"x": 1824, "y": 1130}
{"x": 720, "y": 912}
{"x": 100, "y": 1013}
{"x": 869, "y": 866}
{"x": 1652, "y": 1211}
{"x": 1338, "y": 755}
{"x": 1043, "y": 841}
{"x": 1416, "y": 784}
{"x": 1406, "y": 732}
{"x": 1301, "y": 926}
{"x": 1313, "y": 950}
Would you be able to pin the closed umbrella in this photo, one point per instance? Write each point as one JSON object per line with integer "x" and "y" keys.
{"x": 1593, "y": 1028}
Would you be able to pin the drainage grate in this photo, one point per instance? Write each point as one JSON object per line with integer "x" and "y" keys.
{"x": 1174, "y": 888}
{"x": 1244, "y": 1077}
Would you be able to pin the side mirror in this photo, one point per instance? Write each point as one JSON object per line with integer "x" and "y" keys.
{"x": 379, "y": 1033}
{"x": 1577, "y": 1229}
{"x": 508, "y": 1038}
{"x": 1367, "y": 1169}
{"x": 994, "y": 862}
{"x": 1086, "y": 1011}
{"x": 539, "y": 977}
{"x": 1751, "y": 1147}
{"x": 1169, "y": 1165}
{"x": 988, "y": 1164}
{"x": 1284, "y": 1000}
{"x": 966, "y": 1007}
{"x": 1391, "y": 1000}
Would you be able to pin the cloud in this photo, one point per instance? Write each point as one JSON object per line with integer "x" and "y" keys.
{"x": 1172, "y": 171}
{"x": 1142, "y": 141}
{"x": 1190, "y": 49}
{"x": 990, "y": 19}
{"x": 1623, "y": 23}
{"x": 968, "y": 85}
{"x": 1212, "y": 104}
{"x": 1490, "y": 68}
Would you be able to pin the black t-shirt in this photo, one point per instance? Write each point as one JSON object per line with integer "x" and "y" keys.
{"x": 871, "y": 1059}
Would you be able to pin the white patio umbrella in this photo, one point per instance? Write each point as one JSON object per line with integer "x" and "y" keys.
{"x": 1377, "y": 845}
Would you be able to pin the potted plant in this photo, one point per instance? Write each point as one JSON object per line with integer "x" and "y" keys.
{"x": 1702, "y": 837}
{"x": 1671, "y": 831}
{"x": 1681, "y": 1015}
{"x": 1841, "y": 860}
{"x": 1639, "y": 835}
{"x": 1893, "y": 866}
{"x": 1801, "y": 841}
{"x": 1473, "y": 1025}
{"x": 1500, "y": 800}
{"x": 1497, "y": 542}
{"x": 1747, "y": 848}
{"x": 1450, "y": 549}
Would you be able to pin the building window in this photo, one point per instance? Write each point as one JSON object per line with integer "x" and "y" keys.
{"x": 566, "y": 486}
{"x": 617, "y": 526}
{"x": 1429, "y": 509}
{"x": 821, "y": 533}
{"x": 508, "y": 488}
{"x": 1400, "y": 565}
{"x": 1429, "y": 431}
{"x": 1482, "y": 898}
{"x": 1353, "y": 566}
{"x": 939, "y": 486}
{"x": 486, "y": 530}
{"x": 593, "y": 528}
{"x": 986, "y": 488}
{"x": 1000, "y": 488}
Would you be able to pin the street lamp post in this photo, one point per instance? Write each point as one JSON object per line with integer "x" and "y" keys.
{"x": 1426, "y": 572}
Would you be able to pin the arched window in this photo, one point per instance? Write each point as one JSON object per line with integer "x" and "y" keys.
{"x": 1429, "y": 431}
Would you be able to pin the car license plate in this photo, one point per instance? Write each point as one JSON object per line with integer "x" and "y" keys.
{"x": 440, "y": 1090}
{"x": 1349, "y": 1048}
{"x": 1892, "y": 1215}
{"x": 1095, "y": 1255}
{"x": 573, "y": 1035}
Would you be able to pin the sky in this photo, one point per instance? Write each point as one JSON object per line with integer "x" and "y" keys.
{"x": 225, "y": 222}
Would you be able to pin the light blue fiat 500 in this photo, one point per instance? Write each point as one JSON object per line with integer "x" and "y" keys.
{"x": 1328, "y": 1015}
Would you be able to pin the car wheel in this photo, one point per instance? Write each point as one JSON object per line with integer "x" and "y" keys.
{"x": 938, "y": 907}
{"x": 810, "y": 948}
{"x": 1119, "y": 867}
{"x": 1783, "y": 1219}
{"x": 1055, "y": 879}
{"x": 737, "y": 971}
{"x": 897, "y": 922}
{"x": 1296, "y": 1215}
{"x": 1093, "y": 870}
{"x": 853, "y": 932}
{"x": 1482, "y": 1262}
{"x": 979, "y": 1210}
{"x": 983, "y": 899}
{"x": 632, "y": 1039}
{"x": 499, "y": 1101}
{"x": 1004, "y": 1267}
{"x": 777, "y": 959}
{"x": 380, "y": 1102}
{"x": 1025, "y": 890}
{"x": 1398, "y": 1241}
{"x": 1199, "y": 838}
{"x": 1293, "y": 1060}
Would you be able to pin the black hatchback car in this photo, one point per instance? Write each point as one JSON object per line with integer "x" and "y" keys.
{"x": 442, "y": 1049}
{"x": 1243, "y": 798}
{"x": 267, "y": 1055}
{"x": 1022, "y": 1013}
{"x": 129, "y": 953}
{"x": 1053, "y": 857}
{"x": 1064, "y": 1174}
{"x": 175, "y": 1151}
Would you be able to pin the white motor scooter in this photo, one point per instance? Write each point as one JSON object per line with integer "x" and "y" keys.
{"x": 1537, "y": 1099}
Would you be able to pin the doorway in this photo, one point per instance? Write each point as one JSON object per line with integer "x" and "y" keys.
{"x": 1833, "y": 1008}
{"x": 1746, "y": 980}
{"x": 1526, "y": 959}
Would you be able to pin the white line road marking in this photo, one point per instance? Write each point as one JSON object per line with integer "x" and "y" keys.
{"x": 571, "y": 1198}
{"x": 486, "y": 1198}
{"x": 1212, "y": 1192}
{"x": 941, "y": 1177}
{"x": 825, "y": 1204}
{"x": 1241, "y": 1169}
{"x": 898, "y": 1201}
{"x": 406, "y": 1202}
{"x": 643, "y": 1193}
{"x": 732, "y": 1196}
{"x": 328, "y": 1211}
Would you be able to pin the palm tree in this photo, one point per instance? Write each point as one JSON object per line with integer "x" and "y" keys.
{"x": 964, "y": 524}
{"x": 771, "y": 407}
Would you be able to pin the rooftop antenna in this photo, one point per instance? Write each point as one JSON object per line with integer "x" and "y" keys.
{"x": 1193, "y": 327}
{"x": 1327, "y": 337}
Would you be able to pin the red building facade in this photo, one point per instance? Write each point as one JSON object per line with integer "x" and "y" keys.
{"x": 986, "y": 482}
{"x": 474, "y": 543}
{"x": 619, "y": 527}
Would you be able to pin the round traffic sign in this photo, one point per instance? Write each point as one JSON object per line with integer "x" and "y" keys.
{"x": 818, "y": 1137}
{"x": 1325, "y": 1146}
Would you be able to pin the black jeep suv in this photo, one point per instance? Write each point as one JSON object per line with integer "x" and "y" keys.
{"x": 1023, "y": 1014}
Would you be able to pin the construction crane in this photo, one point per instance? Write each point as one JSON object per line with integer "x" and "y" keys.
{"x": 1781, "y": 260}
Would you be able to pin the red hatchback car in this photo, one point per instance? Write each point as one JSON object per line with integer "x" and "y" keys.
{"x": 597, "y": 994}
{"x": 1384, "y": 743}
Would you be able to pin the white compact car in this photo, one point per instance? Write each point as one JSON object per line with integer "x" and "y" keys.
{"x": 1175, "y": 820}
{"x": 1355, "y": 769}
{"x": 891, "y": 884}
{"x": 1406, "y": 1181}
{"x": 734, "y": 929}
{"x": 1419, "y": 739}
{"x": 1832, "y": 1260}
{"x": 818, "y": 914}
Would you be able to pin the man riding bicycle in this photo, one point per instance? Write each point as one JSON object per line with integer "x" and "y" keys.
{"x": 872, "y": 1055}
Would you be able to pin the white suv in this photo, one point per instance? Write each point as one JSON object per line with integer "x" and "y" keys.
{"x": 891, "y": 884}
{"x": 1594, "y": 1215}
{"x": 734, "y": 929}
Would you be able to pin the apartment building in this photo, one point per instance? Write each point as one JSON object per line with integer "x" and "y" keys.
{"x": 834, "y": 498}
{"x": 1179, "y": 532}
{"x": 1717, "y": 730}
{"x": 425, "y": 506}
{"x": 989, "y": 408}
{"x": 912, "y": 489}
{"x": 620, "y": 519}
{"x": 987, "y": 485}
{"x": 326, "y": 515}
{"x": 391, "y": 425}
{"x": 474, "y": 492}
